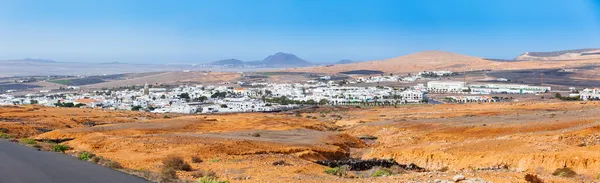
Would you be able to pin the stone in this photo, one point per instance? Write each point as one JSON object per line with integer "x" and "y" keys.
{"x": 458, "y": 178}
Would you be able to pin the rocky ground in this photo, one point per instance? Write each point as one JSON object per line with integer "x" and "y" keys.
{"x": 497, "y": 142}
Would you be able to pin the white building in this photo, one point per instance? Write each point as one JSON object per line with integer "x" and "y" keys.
{"x": 325, "y": 78}
{"x": 590, "y": 94}
{"x": 467, "y": 99}
{"x": 411, "y": 96}
{"x": 446, "y": 86}
{"x": 507, "y": 89}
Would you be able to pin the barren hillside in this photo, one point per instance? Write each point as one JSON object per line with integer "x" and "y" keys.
{"x": 440, "y": 60}
{"x": 580, "y": 54}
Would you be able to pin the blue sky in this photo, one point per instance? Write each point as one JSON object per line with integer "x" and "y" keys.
{"x": 196, "y": 31}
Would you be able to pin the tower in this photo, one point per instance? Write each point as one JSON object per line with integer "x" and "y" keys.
{"x": 146, "y": 89}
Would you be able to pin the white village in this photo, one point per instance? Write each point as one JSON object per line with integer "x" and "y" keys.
{"x": 272, "y": 97}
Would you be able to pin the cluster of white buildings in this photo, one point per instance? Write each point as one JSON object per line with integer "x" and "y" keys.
{"x": 435, "y": 73}
{"x": 221, "y": 99}
{"x": 342, "y": 95}
{"x": 410, "y": 78}
{"x": 265, "y": 97}
{"x": 391, "y": 78}
{"x": 590, "y": 94}
{"x": 487, "y": 88}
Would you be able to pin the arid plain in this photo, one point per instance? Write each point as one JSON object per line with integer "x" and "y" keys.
{"x": 498, "y": 142}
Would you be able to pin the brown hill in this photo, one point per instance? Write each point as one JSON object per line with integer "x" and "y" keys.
{"x": 428, "y": 60}
{"x": 441, "y": 60}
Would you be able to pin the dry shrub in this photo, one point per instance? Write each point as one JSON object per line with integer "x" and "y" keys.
{"x": 280, "y": 163}
{"x": 95, "y": 159}
{"x": 106, "y": 162}
{"x": 564, "y": 172}
{"x": 168, "y": 174}
{"x": 533, "y": 179}
{"x": 176, "y": 163}
{"x": 148, "y": 175}
{"x": 204, "y": 173}
{"x": 196, "y": 159}
{"x": 113, "y": 164}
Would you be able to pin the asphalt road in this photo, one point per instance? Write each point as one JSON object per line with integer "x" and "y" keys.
{"x": 20, "y": 164}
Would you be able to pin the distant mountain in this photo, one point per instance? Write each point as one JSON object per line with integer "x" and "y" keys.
{"x": 578, "y": 54}
{"x": 108, "y": 63}
{"x": 345, "y": 61}
{"x": 31, "y": 60}
{"x": 281, "y": 59}
{"x": 228, "y": 62}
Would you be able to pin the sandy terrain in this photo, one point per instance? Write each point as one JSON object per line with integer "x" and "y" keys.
{"x": 499, "y": 142}
{"x": 439, "y": 60}
{"x": 34, "y": 120}
{"x": 173, "y": 78}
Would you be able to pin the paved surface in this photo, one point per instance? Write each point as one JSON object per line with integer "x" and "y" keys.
{"x": 20, "y": 164}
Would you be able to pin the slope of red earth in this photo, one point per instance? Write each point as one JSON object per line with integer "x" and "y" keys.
{"x": 498, "y": 142}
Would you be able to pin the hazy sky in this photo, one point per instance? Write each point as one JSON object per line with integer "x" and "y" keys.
{"x": 174, "y": 31}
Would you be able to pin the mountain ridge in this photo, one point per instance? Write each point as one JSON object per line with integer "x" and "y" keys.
{"x": 30, "y": 60}
{"x": 279, "y": 59}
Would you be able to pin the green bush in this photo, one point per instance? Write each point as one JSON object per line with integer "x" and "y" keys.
{"x": 136, "y": 108}
{"x": 6, "y": 136}
{"x": 85, "y": 156}
{"x": 211, "y": 180}
{"x": 60, "y": 148}
{"x": 381, "y": 173}
{"x": 3, "y": 130}
{"x": 338, "y": 171}
{"x": 28, "y": 141}
{"x": 564, "y": 172}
